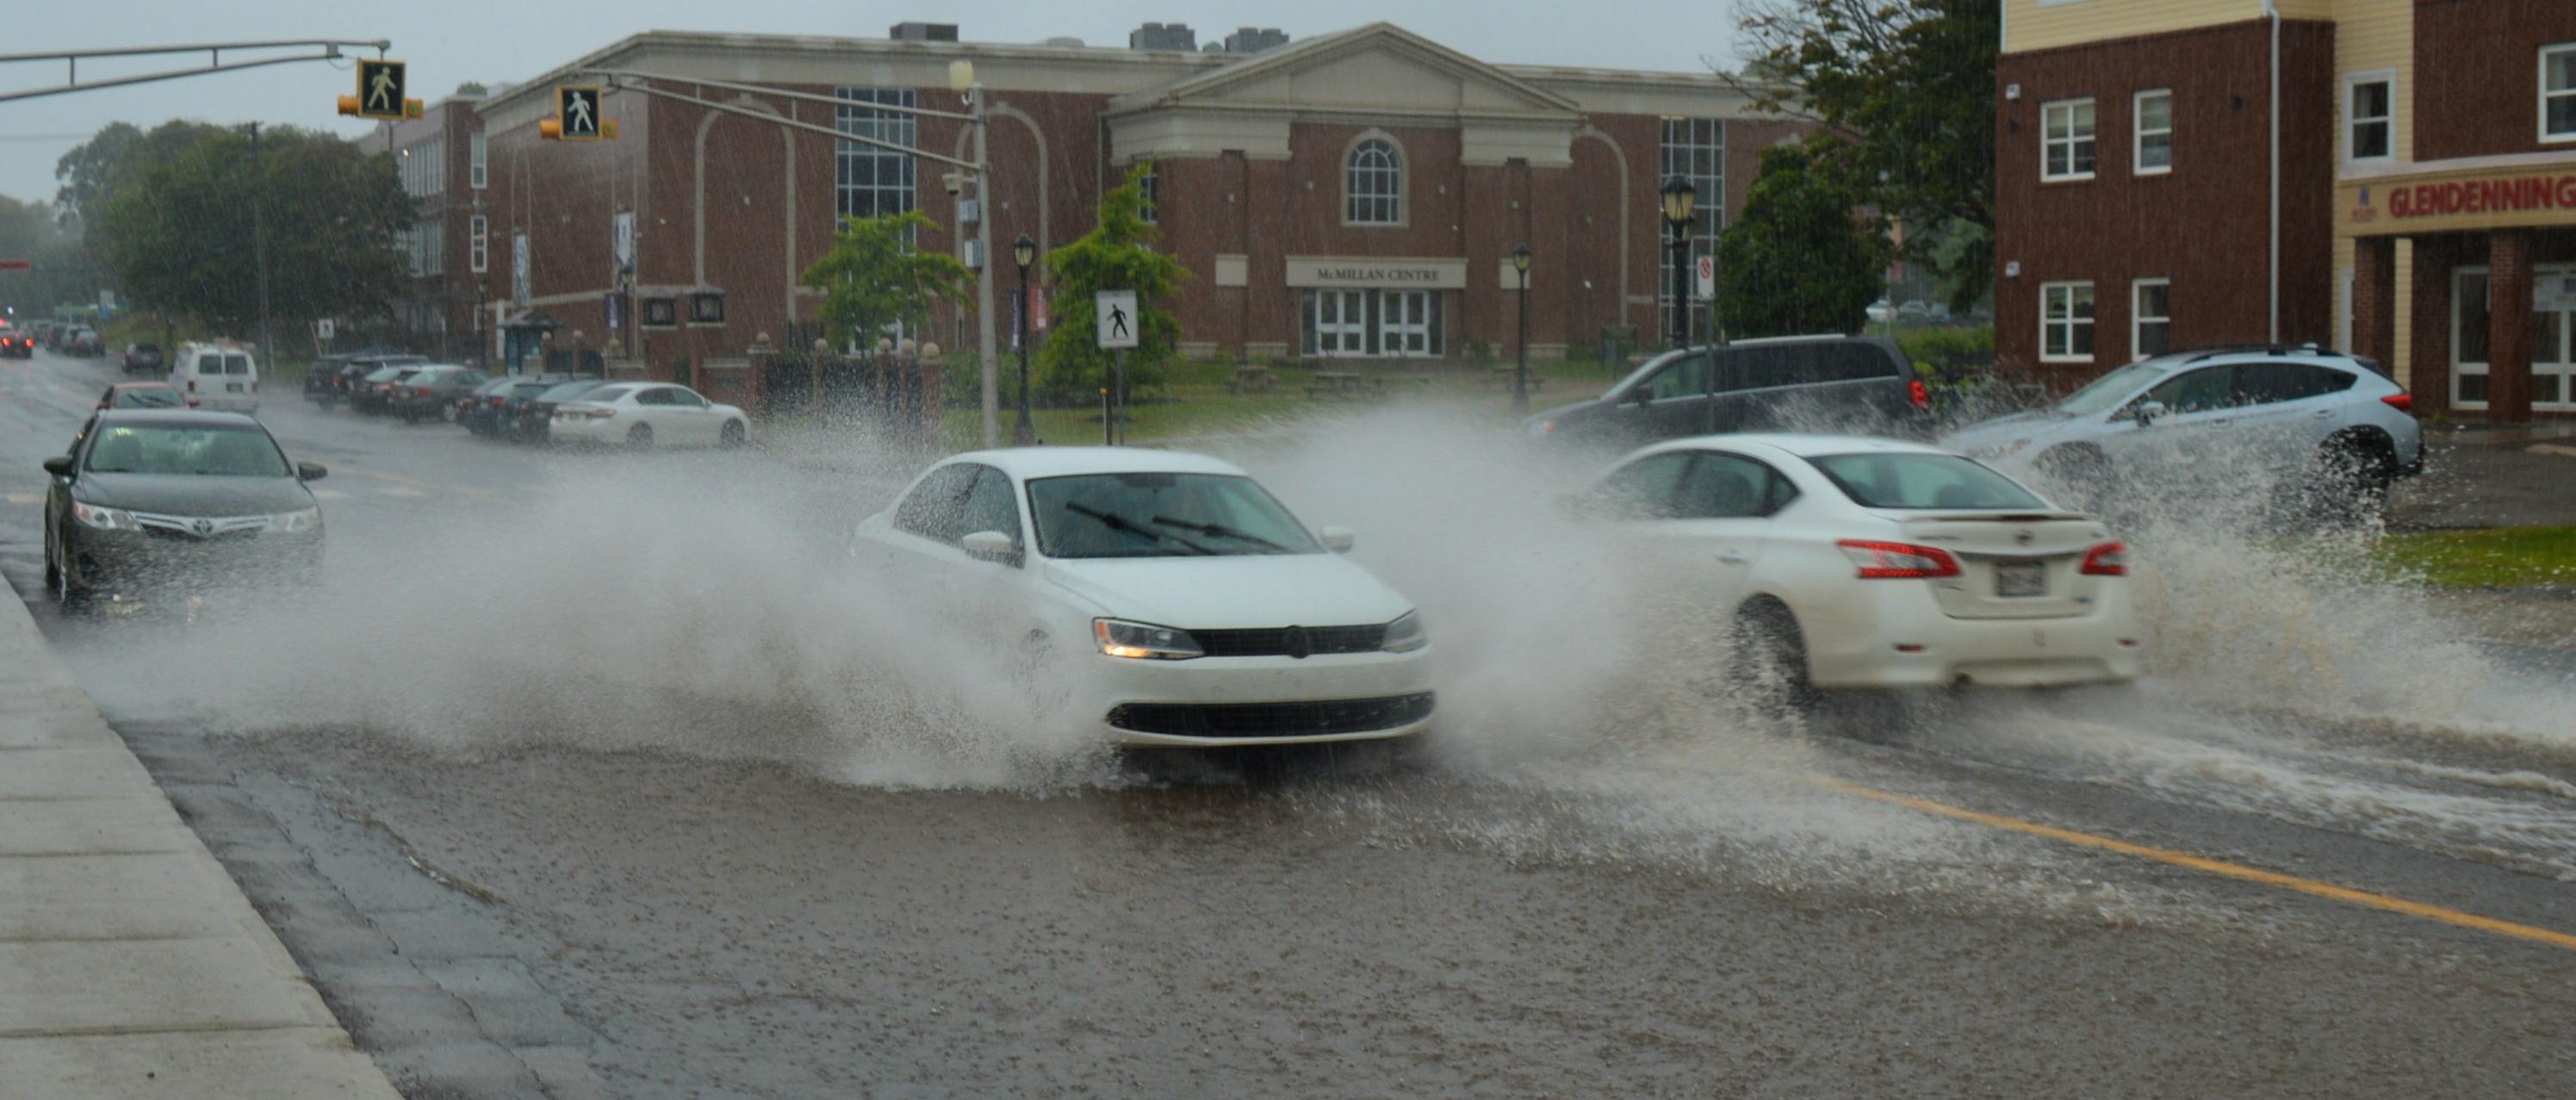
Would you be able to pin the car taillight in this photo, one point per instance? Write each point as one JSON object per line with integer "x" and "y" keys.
{"x": 1896, "y": 560}
{"x": 2402, "y": 402}
{"x": 420, "y": 391}
{"x": 1918, "y": 393}
{"x": 2110, "y": 559}
{"x": 496, "y": 402}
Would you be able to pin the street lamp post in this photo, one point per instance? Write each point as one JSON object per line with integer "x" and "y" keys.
{"x": 1679, "y": 198}
{"x": 1520, "y": 372}
{"x": 1024, "y": 251}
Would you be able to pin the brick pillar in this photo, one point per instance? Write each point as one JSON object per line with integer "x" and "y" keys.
{"x": 2509, "y": 325}
{"x": 2430, "y": 348}
{"x": 2374, "y": 299}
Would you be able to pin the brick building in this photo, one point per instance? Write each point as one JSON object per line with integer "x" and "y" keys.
{"x": 439, "y": 158}
{"x": 1355, "y": 195}
{"x": 2424, "y": 212}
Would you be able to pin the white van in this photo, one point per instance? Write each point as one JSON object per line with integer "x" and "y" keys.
{"x": 222, "y": 375}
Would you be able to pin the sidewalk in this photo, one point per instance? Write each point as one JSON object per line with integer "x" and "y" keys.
{"x": 2509, "y": 475}
{"x": 130, "y": 964}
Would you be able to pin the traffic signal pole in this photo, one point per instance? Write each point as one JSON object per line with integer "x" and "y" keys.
{"x": 329, "y": 51}
{"x": 259, "y": 243}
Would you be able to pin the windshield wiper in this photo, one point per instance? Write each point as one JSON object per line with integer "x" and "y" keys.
{"x": 1221, "y": 531}
{"x": 1116, "y": 522}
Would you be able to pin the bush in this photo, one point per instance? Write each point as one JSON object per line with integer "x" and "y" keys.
{"x": 1949, "y": 353}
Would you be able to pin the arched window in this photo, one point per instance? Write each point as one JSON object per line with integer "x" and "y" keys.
{"x": 1376, "y": 184}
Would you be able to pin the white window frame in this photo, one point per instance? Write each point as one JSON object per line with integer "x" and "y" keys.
{"x": 2352, "y": 82}
{"x": 2071, "y": 321}
{"x": 2138, "y": 133}
{"x": 2138, "y": 314}
{"x": 2547, "y": 94}
{"x": 2459, "y": 370}
{"x": 1393, "y": 173}
{"x": 478, "y": 250}
{"x": 2094, "y": 139}
{"x": 479, "y": 155}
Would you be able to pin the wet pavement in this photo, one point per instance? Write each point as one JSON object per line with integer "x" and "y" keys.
{"x": 564, "y": 783}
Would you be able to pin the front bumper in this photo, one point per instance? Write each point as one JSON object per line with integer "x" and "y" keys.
{"x": 1236, "y": 702}
{"x": 1893, "y": 634}
{"x": 149, "y": 563}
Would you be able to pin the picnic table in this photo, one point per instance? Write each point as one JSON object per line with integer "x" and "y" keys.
{"x": 1250, "y": 378}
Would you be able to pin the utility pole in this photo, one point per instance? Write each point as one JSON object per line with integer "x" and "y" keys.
{"x": 259, "y": 243}
{"x": 984, "y": 275}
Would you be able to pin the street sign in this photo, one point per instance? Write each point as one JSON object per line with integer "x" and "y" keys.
{"x": 324, "y": 328}
{"x": 1117, "y": 317}
{"x": 1038, "y": 311}
{"x": 380, "y": 89}
{"x": 577, "y": 111}
{"x": 1706, "y": 269}
{"x": 624, "y": 240}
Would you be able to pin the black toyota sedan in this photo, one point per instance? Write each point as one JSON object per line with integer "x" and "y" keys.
{"x": 149, "y": 501}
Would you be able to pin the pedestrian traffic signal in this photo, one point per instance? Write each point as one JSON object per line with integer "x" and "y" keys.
{"x": 577, "y": 116}
{"x": 380, "y": 93}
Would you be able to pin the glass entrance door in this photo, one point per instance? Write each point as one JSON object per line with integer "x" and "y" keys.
{"x": 2553, "y": 351}
{"x": 1340, "y": 322}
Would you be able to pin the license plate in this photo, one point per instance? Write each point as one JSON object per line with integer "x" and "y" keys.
{"x": 232, "y": 387}
{"x": 2015, "y": 579}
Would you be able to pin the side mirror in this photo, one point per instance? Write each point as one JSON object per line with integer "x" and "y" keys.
{"x": 311, "y": 471}
{"x": 1339, "y": 539}
{"x": 59, "y": 465}
{"x": 989, "y": 546}
{"x": 2148, "y": 412}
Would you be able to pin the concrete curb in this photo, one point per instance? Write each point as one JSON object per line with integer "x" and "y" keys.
{"x": 131, "y": 965}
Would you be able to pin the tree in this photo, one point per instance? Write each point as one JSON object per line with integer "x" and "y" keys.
{"x": 178, "y": 230}
{"x": 1798, "y": 260}
{"x": 1908, "y": 88}
{"x": 35, "y": 232}
{"x": 1118, "y": 255}
{"x": 874, "y": 278}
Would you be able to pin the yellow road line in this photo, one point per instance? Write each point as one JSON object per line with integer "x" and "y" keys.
{"x": 2215, "y": 866}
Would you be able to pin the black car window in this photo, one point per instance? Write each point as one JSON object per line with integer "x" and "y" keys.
{"x": 2270, "y": 383}
{"x": 1730, "y": 486}
{"x": 2196, "y": 390}
{"x": 937, "y": 506}
{"x": 658, "y": 395}
{"x": 1854, "y": 361}
{"x": 1925, "y": 481}
{"x": 1646, "y": 488}
{"x": 1680, "y": 378}
{"x": 991, "y": 506}
{"x": 210, "y": 364}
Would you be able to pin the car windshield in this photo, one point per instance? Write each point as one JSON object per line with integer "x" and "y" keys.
{"x": 1153, "y": 515}
{"x": 2111, "y": 390}
{"x": 211, "y": 450}
{"x": 157, "y": 397}
{"x": 1922, "y": 481}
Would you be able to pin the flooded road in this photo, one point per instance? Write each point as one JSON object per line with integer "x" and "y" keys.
{"x": 590, "y": 776}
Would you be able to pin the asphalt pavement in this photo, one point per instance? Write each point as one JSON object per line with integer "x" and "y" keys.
{"x": 581, "y": 776}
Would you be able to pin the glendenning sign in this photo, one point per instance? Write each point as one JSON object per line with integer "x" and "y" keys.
{"x": 1348, "y": 271}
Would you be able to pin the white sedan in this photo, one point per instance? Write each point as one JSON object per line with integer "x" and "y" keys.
{"x": 648, "y": 414}
{"x": 1165, "y": 599}
{"x": 1842, "y": 562}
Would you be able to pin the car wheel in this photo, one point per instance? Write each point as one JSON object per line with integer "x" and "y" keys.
{"x": 2348, "y": 484}
{"x": 53, "y": 572}
{"x": 733, "y": 434}
{"x": 1768, "y": 660}
{"x": 640, "y": 437}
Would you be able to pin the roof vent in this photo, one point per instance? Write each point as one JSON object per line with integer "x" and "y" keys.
{"x": 923, "y": 32}
{"x": 1163, "y": 36}
{"x": 1255, "y": 39}
{"x": 1062, "y": 40}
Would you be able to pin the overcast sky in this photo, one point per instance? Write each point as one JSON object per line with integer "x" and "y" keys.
{"x": 448, "y": 42}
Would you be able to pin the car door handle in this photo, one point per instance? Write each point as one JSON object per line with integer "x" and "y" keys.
{"x": 1732, "y": 557}
{"x": 2323, "y": 414}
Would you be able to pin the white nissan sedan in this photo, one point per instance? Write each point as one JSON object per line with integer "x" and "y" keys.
{"x": 1166, "y": 598}
{"x": 648, "y": 414}
{"x": 1843, "y": 562}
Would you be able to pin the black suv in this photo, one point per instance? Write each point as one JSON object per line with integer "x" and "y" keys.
{"x": 1841, "y": 384}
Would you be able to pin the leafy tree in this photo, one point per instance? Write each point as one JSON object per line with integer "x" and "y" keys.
{"x": 1798, "y": 260}
{"x": 1118, "y": 255}
{"x": 874, "y": 278}
{"x": 179, "y": 232}
{"x": 33, "y": 231}
{"x": 1908, "y": 89}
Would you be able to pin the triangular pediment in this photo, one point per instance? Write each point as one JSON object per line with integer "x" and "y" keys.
{"x": 1367, "y": 69}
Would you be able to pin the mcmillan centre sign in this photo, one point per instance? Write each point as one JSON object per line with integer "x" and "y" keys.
{"x": 1377, "y": 272}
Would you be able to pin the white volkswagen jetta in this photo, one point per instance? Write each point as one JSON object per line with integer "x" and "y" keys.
{"x": 1168, "y": 598}
{"x": 1871, "y": 563}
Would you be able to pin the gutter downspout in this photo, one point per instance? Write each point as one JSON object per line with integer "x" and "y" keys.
{"x": 2272, "y": 8}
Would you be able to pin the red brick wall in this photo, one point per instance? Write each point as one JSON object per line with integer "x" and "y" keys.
{"x": 2477, "y": 73}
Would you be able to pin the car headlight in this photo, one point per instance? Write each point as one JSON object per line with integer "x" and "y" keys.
{"x": 291, "y": 522}
{"x": 105, "y": 519}
{"x": 1144, "y": 641}
{"x": 1405, "y": 635}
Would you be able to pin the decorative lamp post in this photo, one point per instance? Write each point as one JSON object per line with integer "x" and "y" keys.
{"x": 1520, "y": 372}
{"x": 1025, "y": 252}
{"x": 1679, "y": 199}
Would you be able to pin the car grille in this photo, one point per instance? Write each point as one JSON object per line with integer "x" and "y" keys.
{"x": 1272, "y": 719}
{"x": 196, "y": 528}
{"x": 1286, "y": 641}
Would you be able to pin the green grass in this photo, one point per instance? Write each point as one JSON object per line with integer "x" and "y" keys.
{"x": 1196, "y": 402}
{"x": 2506, "y": 557}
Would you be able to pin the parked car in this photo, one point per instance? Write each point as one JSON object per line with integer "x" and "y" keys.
{"x": 1860, "y": 384}
{"x": 2322, "y": 422}
{"x": 1847, "y": 562}
{"x": 1157, "y": 597}
{"x": 494, "y": 408}
{"x": 144, "y": 359}
{"x": 221, "y": 375}
{"x": 431, "y": 391}
{"x": 1882, "y": 311}
{"x": 347, "y": 378}
{"x": 145, "y": 395}
{"x": 150, "y": 500}
{"x": 84, "y": 343}
{"x": 643, "y": 415}
{"x": 536, "y": 416}
{"x": 374, "y": 393}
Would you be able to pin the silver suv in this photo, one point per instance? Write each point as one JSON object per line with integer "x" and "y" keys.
{"x": 2310, "y": 419}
